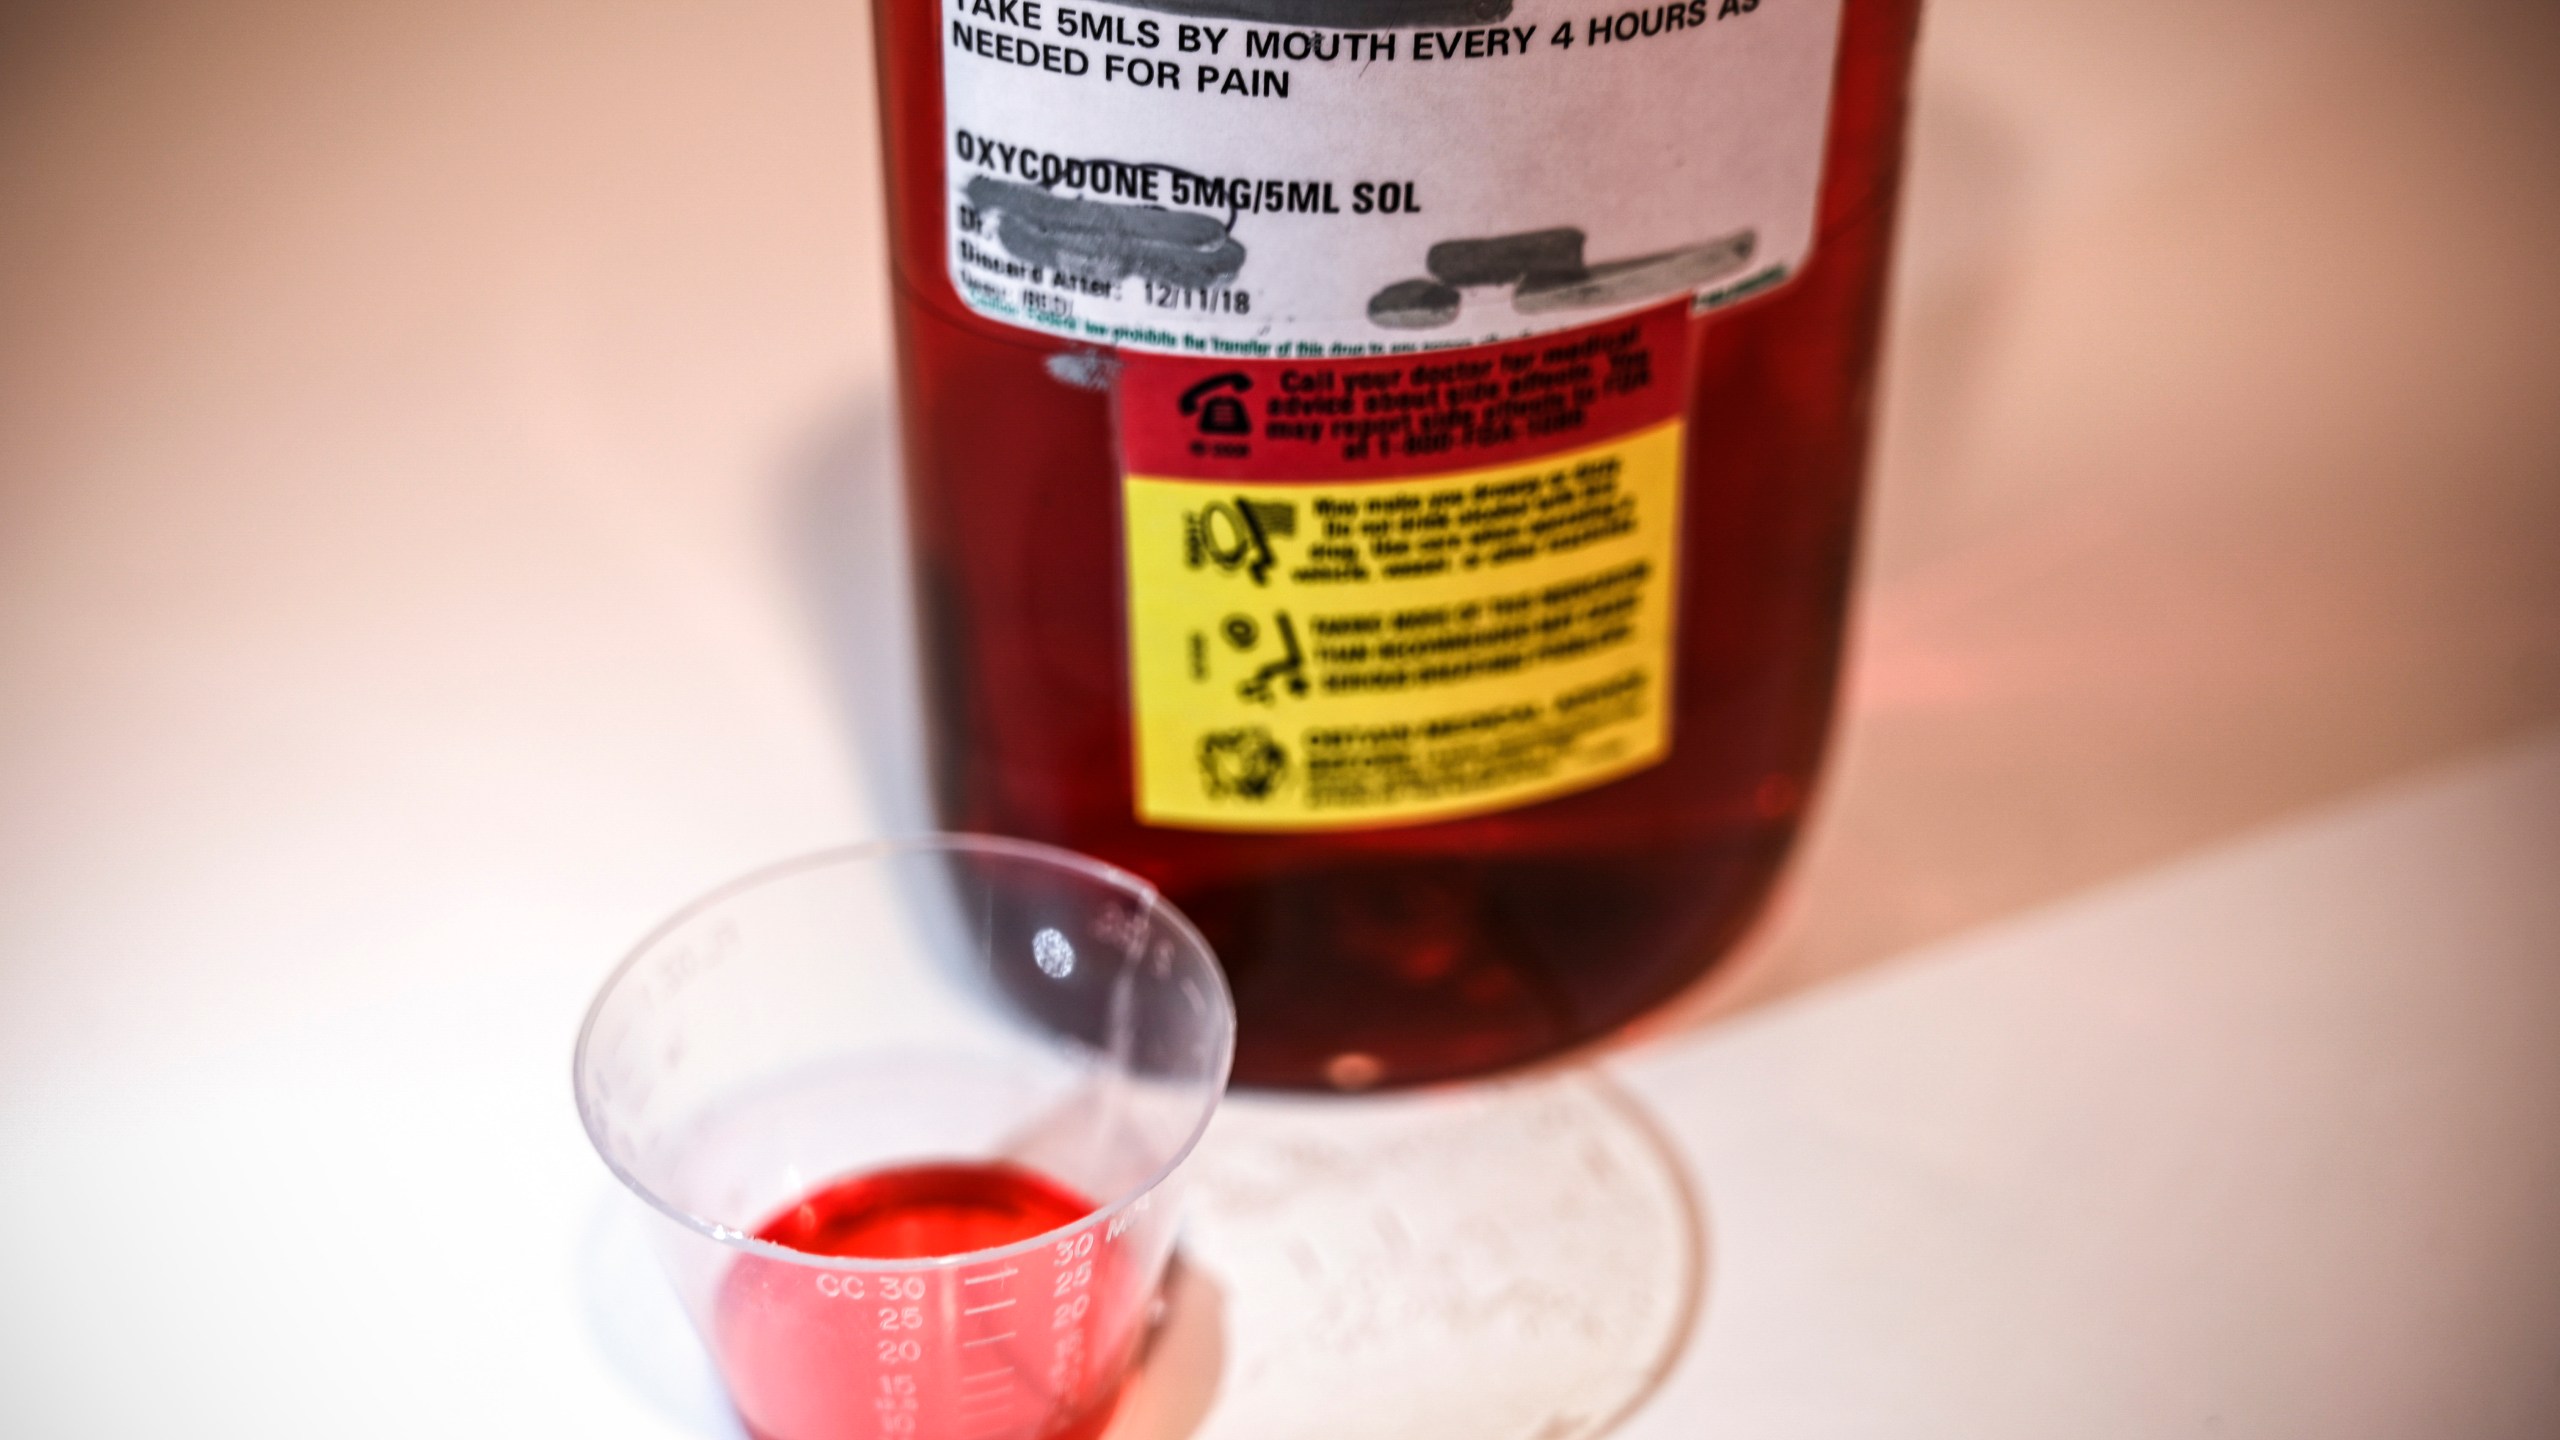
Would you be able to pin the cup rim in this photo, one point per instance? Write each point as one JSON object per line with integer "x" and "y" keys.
{"x": 922, "y": 843}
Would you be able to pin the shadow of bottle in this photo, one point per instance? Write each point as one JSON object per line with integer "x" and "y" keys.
{"x": 843, "y": 533}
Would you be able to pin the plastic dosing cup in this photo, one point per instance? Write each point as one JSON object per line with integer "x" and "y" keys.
{"x": 967, "y": 1071}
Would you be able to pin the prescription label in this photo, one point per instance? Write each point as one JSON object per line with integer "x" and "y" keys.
{"x": 1277, "y": 178}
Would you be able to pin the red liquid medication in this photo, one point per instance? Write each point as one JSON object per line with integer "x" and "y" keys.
{"x": 1388, "y": 472}
{"x": 915, "y": 1212}
{"x": 1030, "y": 1346}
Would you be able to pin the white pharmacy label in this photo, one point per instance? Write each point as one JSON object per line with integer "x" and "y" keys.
{"x": 1312, "y": 178}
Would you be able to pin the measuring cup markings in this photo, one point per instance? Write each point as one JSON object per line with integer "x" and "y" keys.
{"x": 1073, "y": 1273}
{"x": 989, "y": 1395}
{"x": 1023, "y": 1347}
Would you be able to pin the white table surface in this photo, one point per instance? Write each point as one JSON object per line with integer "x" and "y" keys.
{"x": 444, "y": 524}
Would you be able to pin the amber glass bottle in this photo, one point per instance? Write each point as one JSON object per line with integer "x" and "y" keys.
{"x": 1426, "y": 945}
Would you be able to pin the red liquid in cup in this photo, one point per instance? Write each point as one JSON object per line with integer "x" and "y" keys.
{"x": 915, "y": 1212}
{"x": 1029, "y": 1346}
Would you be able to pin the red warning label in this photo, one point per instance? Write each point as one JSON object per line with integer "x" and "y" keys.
{"x": 1467, "y": 409}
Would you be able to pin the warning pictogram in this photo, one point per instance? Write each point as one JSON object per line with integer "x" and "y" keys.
{"x": 1245, "y": 764}
{"x": 1214, "y": 406}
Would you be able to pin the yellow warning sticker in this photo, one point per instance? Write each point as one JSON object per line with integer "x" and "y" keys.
{"x": 1341, "y": 654}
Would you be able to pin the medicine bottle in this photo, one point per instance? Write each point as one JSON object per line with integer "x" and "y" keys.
{"x": 1388, "y": 472}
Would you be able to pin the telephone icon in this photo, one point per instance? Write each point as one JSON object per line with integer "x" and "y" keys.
{"x": 1220, "y": 412}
